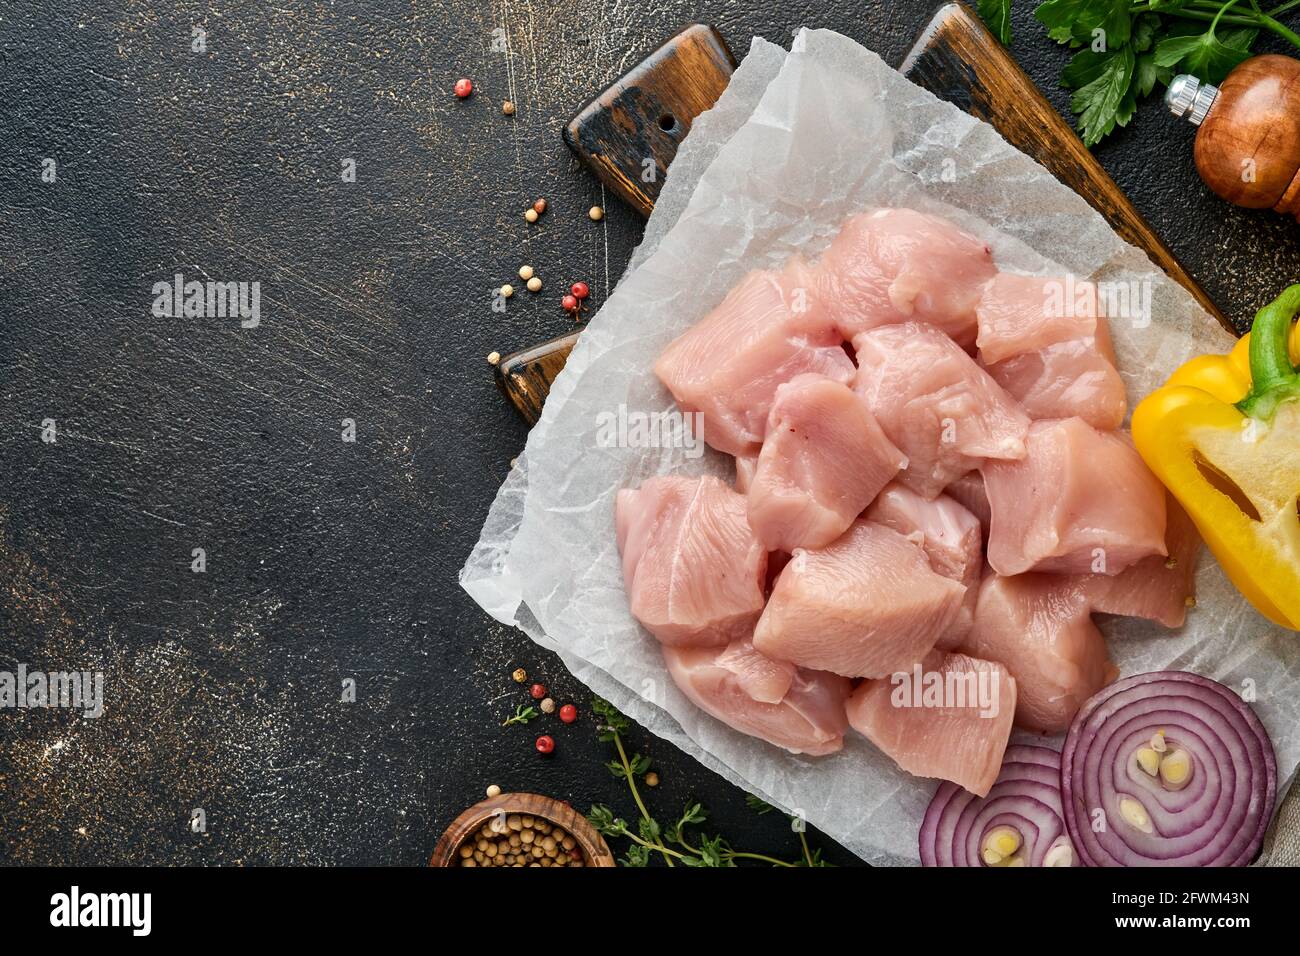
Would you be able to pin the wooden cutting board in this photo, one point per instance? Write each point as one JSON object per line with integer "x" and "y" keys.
{"x": 640, "y": 119}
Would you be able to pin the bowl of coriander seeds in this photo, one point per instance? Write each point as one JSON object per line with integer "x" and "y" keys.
{"x": 521, "y": 830}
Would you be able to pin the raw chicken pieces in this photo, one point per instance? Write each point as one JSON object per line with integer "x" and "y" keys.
{"x": 745, "y": 468}
{"x": 939, "y": 509}
{"x": 958, "y": 734}
{"x": 866, "y": 606}
{"x": 899, "y": 265}
{"x": 693, "y": 570}
{"x": 968, "y": 491}
{"x": 740, "y": 687}
{"x": 770, "y": 328}
{"x": 1045, "y": 342}
{"x": 1039, "y": 626}
{"x": 1082, "y": 501}
{"x": 1018, "y": 314}
{"x": 1157, "y": 588}
{"x": 936, "y": 404}
{"x": 950, "y": 537}
{"x": 823, "y": 461}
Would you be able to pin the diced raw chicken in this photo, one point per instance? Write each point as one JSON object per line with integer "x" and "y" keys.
{"x": 823, "y": 461}
{"x": 936, "y": 404}
{"x": 1039, "y": 626}
{"x": 761, "y": 678}
{"x": 950, "y": 537}
{"x": 693, "y": 570}
{"x": 776, "y": 562}
{"x": 769, "y": 328}
{"x": 1156, "y": 588}
{"x": 739, "y": 687}
{"x": 898, "y": 265}
{"x": 1019, "y": 314}
{"x": 865, "y": 606}
{"x": 968, "y": 491}
{"x": 1044, "y": 340}
{"x": 1067, "y": 379}
{"x": 1080, "y": 502}
{"x": 746, "y": 465}
{"x": 964, "y": 743}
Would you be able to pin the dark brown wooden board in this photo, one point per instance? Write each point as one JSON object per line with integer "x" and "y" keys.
{"x": 629, "y": 134}
{"x": 956, "y": 58}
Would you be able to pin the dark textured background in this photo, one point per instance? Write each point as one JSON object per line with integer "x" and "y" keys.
{"x": 330, "y": 560}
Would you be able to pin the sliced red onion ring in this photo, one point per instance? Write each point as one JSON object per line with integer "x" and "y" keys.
{"x": 1167, "y": 769}
{"x": 1019, "y": 823}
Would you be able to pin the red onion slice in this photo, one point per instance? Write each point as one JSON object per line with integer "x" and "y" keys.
{"x": 1167, "y": 769}
{"x": 1023, "y": 804}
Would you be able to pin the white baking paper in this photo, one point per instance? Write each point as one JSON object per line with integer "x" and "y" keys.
{"x": 799, "y": 142}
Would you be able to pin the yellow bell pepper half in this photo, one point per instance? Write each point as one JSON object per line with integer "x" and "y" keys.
{"x": 1223, "y": 434}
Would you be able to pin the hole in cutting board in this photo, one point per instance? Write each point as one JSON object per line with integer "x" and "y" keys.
{"x": 668, "y": 123}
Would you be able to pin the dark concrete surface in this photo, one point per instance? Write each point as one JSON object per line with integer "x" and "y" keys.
{"x": 329, "y": 560}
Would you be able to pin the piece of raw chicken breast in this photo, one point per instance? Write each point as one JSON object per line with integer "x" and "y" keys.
{"x": 936, "y": 404}
{"x": 898, "y": 265}
{"x": 1018, "y": 314}
{"x": 1157, "y": 588}
{"x": 1081, "y": 501}
{"x": 694, "y": 572}
{"x": 770, "y": 327}
{"x": 1040, "y": 627}
{"x": 746, "y": 465}
{"x": 1044, "y": 340}
{"x": 959, "y": 734}
{"x": 799, "y": 710}
{"x": 865, "y": 606}
{"x": 822, "y": 462}
{"x": 951, "y": 538}
{"x": 968, "y": 491}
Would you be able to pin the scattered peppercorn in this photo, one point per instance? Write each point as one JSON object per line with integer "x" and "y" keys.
{"x": 652, "y": 779}
{"x": 548, "y": 706}
{"x": 463, "y": 88}
{"x": 596, "y": 213}
{"x": 545, "y": 744}
{"x": 494, "y": 791}
{"x": 580, "y": 289}
{"x": 530, "y": 215}
{"x": 525, "y": 272}
{"x": 539, "y": 207}
{"x": 507, "y": 291}
{"x": 508, "y": 108}
{"x": 569, "y": 303}
{"x": 568, "y": 713}
{"x": 534, "y": 284}
{"x": 538, "y": 691}
{"x": 494, "y": 358}
{"x": 520, "y": 675}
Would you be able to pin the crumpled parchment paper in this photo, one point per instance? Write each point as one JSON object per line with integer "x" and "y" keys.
{"x": 798, "y": 143}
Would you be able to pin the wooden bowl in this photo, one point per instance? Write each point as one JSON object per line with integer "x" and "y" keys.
{"x": 594, "y": 849}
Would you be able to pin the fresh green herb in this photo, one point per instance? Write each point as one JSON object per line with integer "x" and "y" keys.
{"x": 522, "y": 716}
{"x": 673, "y": 843}
{"x": 1125, "y": 48}
{"x": 758, "y": 804}
{"x": 997, "y": 14}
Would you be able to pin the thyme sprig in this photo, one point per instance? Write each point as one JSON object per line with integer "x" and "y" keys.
{"x": 673, "y": 844}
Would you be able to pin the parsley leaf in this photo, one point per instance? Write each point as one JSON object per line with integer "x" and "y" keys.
{"x": 1146, "y": 74}
{"x": 1209, "y": 57}
{"x": 997, "y": 14}
{"x": 1100, "y": 102}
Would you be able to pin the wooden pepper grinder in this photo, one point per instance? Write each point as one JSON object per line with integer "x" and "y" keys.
{"x": 1248, "y": 145}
